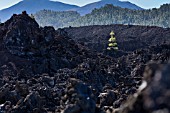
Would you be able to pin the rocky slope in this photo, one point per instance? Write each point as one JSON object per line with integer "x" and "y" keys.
{"x": 44, "y": 70}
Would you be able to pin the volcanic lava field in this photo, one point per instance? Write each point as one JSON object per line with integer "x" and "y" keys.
{"x": 43, "y": 70}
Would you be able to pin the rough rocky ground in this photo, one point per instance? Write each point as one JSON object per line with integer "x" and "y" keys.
{"x": 129, "y": 38}
{"x": 45, "y": 70}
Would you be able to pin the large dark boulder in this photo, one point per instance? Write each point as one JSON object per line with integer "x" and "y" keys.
{"x": 153, "y": 95}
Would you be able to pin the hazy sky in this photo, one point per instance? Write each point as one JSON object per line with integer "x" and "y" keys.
{"x": 142, "y": 3}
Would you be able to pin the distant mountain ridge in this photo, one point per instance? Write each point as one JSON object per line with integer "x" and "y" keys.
{"x": 89, "y": 7}
{"x": 32, "y": 6}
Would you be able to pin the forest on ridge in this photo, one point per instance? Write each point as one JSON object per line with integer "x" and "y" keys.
{"x": 106, "y": 15}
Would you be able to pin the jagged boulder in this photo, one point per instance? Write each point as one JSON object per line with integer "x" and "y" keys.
{"x": 79, "y": 98}
{"x": 23, "y": 34}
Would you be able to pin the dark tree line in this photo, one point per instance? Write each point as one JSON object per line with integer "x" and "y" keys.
{"x": 106, "y": 15}
{"x": 55, "y": 18}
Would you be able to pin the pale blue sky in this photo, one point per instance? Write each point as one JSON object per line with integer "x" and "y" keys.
{"x": 142, "y": 3}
